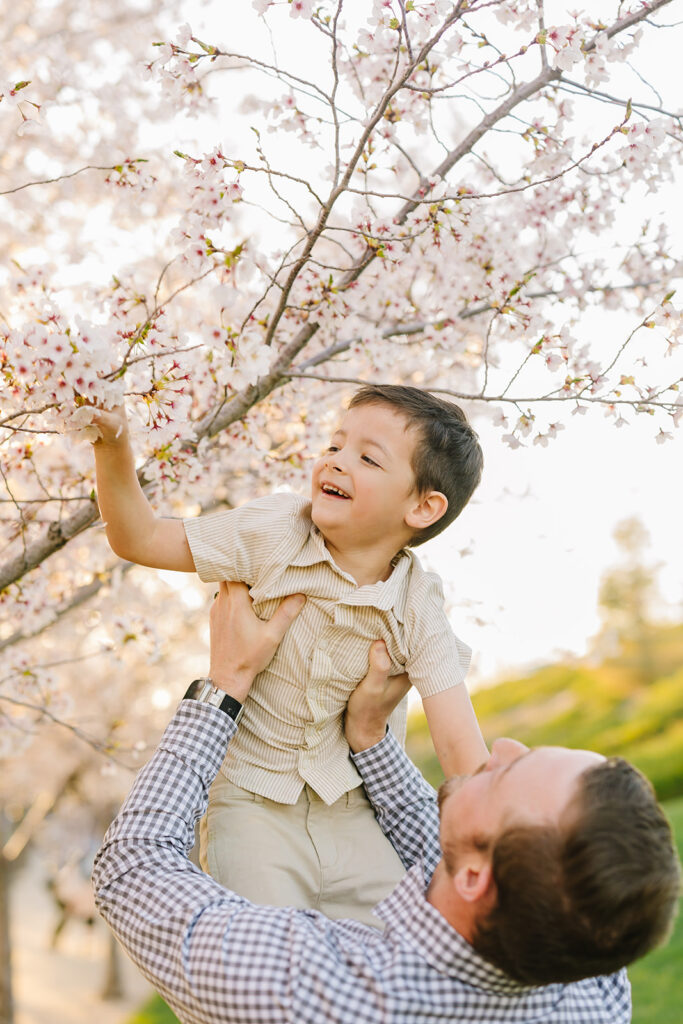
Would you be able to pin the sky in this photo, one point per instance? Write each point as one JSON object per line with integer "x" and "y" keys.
{"x": 522, "y": 565}
{"x": 538, "y": 537}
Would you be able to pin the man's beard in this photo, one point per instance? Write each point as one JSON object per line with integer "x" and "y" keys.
{"x": 453, "y": 784}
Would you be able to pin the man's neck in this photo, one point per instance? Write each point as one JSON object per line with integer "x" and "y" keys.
{"x": 441, "y": 895}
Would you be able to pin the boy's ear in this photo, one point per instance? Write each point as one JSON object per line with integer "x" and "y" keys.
{"x": 430, "y": 508}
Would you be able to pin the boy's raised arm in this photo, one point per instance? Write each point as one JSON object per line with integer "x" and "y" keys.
{"x": 134, "y": 531}
{"x": 455, "y": 731}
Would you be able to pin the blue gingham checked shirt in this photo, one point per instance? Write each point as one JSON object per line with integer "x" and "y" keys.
{"x": 215, "y": 957}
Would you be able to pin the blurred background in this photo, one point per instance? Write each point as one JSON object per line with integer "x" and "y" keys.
{"x": 564, "y": 575}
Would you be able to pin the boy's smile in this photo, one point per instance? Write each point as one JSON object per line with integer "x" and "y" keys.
{"x": 363, "y": 486}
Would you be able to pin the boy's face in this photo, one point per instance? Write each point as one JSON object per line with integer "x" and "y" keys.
{"x": 363, "y": 485}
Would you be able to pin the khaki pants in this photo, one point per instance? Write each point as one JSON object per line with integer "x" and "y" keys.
{"x": 308, "y": 855}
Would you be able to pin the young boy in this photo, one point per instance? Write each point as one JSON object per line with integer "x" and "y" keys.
{"x": 288, "y": 821}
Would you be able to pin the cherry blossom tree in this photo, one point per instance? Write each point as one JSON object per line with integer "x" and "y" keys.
{"x": 429, "y": 192}
{"x": 229, "y": 226}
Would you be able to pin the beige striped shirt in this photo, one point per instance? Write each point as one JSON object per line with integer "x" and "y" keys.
{"x": 291, "y": 732}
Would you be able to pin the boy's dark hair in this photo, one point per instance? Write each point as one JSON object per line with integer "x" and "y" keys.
{"x": 588, "y": 899}
{"x": 447, "y": 456}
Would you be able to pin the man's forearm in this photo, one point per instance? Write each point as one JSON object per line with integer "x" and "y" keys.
{"x": 404, "y": 802}
{"x": 197, "y": 738}
{"x": 145, "y": 887}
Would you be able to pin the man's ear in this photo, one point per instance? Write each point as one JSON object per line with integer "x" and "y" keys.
{"x": 430, "y": 508}
{"x": 473, "y": 881}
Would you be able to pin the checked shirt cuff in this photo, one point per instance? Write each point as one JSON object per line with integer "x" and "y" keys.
{"x": 198, "y": 734}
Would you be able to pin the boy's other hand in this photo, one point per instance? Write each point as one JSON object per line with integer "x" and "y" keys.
{"x": 373, "y": 700}
{"x": 242, "y": 645}
{"x": 112, "y": 425}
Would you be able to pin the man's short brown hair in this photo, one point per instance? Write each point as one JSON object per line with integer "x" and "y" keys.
{"x": 591, "y": 898}
{"x": 447, "y": 456}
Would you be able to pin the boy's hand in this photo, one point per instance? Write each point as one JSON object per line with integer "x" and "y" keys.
{"x": 242, "y": 645}
{"x": 112, "y": 425}
{"x": 373, "y": 700}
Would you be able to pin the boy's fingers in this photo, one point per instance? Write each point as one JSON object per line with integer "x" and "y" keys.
{"x": 109, "y": 421}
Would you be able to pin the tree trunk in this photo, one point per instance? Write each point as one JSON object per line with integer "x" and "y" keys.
{"x": 6, "y": 1002}
{"x": 113, "y": 985}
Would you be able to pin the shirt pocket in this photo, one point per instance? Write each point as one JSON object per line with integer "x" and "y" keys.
{"x": 349, "y": 648}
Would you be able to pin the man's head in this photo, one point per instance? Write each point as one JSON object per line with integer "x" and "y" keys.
{"x": 564, "y": 859}
{"x": 446, "y": 456}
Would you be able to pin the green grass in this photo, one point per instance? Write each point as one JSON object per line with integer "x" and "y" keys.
{"x": 155, "y": 1011}
{"x": 656, "y": 980}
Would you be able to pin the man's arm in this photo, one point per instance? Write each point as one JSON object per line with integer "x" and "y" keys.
{"x": 205, "y": 948}
{"x": 404, "y": 802}
{"x": 133, "y": 530}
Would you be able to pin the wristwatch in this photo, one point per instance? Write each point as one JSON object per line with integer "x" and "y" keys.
{"x": 205, "y": 692}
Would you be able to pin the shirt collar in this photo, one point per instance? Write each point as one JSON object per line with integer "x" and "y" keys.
{"x": 406, "y": 909}
{"x": 387, "y": 595}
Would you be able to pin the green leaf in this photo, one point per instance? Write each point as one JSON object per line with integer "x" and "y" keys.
{"x": 21, "y": 85}
{"x": 669, "y": 297}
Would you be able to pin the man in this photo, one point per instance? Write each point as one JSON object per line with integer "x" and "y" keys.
{"x": 557, "y": 865}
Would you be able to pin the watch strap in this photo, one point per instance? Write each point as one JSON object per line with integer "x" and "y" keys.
{"x": 206, "y": 692}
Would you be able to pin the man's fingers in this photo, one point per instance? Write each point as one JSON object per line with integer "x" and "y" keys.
{"x": 287, "y": 611}
{"x": 378, "y": 681}
{"x": 379, "y": 659}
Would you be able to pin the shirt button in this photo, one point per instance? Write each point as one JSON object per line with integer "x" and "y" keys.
{"x": 323, "y": 644}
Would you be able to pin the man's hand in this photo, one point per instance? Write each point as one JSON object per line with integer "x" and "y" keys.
{"x": 373, "y": 700}
{"x": 241, "y": 643}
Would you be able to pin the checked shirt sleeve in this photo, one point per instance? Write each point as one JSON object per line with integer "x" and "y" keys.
{"x": 215, "y": 957}
{"x": 404, "y": 802}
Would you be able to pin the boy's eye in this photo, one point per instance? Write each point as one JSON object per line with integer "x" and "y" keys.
{"x": 332, "y": 448}
{"x": 371, "y": 462}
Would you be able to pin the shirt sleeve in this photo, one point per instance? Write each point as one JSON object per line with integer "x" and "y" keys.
{"x": 213, "y": 955}
{"x": 437, "y": 658}
{"x": 239, "y": 543}
{"x": 404, "y": 803}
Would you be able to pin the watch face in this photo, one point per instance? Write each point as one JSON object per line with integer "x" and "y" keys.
{"x": 194, "y": 690}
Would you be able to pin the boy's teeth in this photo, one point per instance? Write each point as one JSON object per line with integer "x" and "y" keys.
{"x": 328, "y": 489}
